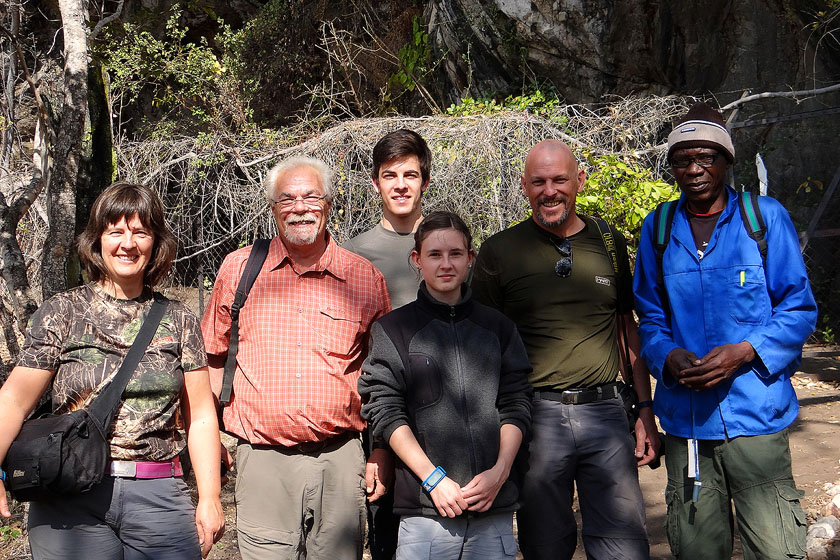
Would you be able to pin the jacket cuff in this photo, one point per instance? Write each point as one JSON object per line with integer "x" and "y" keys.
{"x": 758, "y": 364}
{"x": 389, "y": 429}
{"x": 657, "y": 365}
{"x": 518, "y": 423}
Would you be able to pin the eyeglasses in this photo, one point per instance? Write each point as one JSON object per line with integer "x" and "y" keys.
{"x": 703, "y": 160}
{"x": 288, "y": 202}
{"x": 563, "y": 268}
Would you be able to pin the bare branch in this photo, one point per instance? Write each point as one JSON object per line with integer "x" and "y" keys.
{"x": 105, "y": 21}
{"x": 42, "y": 109}
{"x": 769, "y": 94}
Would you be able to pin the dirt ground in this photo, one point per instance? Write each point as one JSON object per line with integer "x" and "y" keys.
{"x": 815, "y": 447}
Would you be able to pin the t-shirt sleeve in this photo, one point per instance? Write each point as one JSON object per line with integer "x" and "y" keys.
{"x": 45, "y": 335}
{"x": 193, "y": 355}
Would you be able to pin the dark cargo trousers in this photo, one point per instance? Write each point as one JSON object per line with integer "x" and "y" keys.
{"x": 751, "y": 472}
{"x": 587, "y": 446}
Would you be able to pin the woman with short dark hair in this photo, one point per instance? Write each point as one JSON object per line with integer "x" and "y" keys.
{"x": 77, "y": 340}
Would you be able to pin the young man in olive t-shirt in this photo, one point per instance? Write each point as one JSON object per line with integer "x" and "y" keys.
{"x": 552, "y": 275}
{"x": 401, "y": 166}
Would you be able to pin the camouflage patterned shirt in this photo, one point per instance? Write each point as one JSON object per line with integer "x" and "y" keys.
{"x": 83, "y": 335}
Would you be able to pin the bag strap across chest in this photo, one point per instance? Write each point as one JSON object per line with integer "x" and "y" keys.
{"x": 252, "y": 268}
{"x": 609, "y": 247}
{"x": 104, "y": 408}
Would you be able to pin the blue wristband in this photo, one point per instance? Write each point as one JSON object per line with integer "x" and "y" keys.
{"x": 644, "y": 404}
{"x": 2, "y": 475}
{"x": 434, "y": 479}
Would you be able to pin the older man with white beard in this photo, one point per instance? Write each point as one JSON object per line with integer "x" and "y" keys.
{"x": 295, "y": 407}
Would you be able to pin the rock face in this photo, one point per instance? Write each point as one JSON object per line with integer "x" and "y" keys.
{"x": 589, "y": 48}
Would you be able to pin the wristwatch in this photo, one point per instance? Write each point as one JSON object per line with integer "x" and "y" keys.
{"x": 434, "y": 479}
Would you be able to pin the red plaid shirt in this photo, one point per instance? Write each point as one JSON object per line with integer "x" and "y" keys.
{"x": 302, "y": 338}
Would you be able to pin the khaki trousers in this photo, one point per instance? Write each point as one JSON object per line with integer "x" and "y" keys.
{"x": 292, "y": 505}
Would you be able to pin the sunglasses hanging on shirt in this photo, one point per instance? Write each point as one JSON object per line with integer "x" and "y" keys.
{"x": 563, "y": 267}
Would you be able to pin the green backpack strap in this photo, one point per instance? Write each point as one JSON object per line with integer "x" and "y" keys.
{"x": 753, "y": 222}
{"x": 663, "y": 219}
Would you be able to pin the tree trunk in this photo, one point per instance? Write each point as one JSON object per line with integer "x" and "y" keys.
{"x": 7, "y": 141}
{"x": 98, "y": 163}
{"x": 61, "y": 190}
{"x": 13, "y": 269}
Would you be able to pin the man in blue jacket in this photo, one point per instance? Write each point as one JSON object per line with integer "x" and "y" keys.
{"x": 722, "y": 331}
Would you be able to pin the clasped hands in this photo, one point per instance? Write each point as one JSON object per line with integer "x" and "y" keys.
{"x": 704, "y": 373}
{"x": 451, "y": 500}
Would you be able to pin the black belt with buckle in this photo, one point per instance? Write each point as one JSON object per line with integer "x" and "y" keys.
{"x": 309, "y": 447}
{"x": 582, "y": 395}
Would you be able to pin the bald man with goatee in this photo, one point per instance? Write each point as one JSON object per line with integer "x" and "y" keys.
{"x": 555, "y": 277}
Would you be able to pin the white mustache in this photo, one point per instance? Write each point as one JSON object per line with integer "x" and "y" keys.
{"x": 309, "y": 216}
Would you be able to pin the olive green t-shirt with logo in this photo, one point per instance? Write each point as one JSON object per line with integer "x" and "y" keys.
{"x": 83, "y": 335}
{"x": 568, "y": 324}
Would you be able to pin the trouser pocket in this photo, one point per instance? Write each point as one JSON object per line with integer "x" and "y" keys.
{"x": 672, "y": 518}
{"x": 793, "y": 524}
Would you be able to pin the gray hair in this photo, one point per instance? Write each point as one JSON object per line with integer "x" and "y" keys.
{"x": 321, "y": 169}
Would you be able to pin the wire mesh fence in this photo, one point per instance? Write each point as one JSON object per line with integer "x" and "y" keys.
{"x": 213, "y": 189}
{"x": 212, "y": 185}
{"x": 821, "y": 259}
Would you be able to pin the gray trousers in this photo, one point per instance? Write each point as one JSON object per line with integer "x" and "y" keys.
{"x": 488, "y": 537}
{"x": 292, "y": 505}
{"x": 588, "y": 445}
{"x": 119, "y": 519}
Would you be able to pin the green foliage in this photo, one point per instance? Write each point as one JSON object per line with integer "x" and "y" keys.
{"x": 276, "y": 58}
{"x": 547, "y": 106}
{"x": 8, "y": 534}
{"x": 414, "y": 57}
{"x": 825, "y": 13}
{"x": 189, "y": 84}
{"x": 825, "y": 330}
{"x": 622, "y": 193}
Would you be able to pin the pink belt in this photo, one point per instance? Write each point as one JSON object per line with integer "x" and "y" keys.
{"x": 145, "y": 469}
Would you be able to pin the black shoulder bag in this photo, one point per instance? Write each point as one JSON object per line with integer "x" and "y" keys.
{"x": 59, "y": 455}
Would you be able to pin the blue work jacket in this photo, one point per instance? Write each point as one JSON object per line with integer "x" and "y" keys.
{"x": 726, "y": 297}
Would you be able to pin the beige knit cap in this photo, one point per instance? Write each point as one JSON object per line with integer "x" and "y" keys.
{"x": 701, "y": 127}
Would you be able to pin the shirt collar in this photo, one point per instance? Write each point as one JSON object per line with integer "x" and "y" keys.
{"x": 332, "y": 261}
{"x": 731, "y": 204}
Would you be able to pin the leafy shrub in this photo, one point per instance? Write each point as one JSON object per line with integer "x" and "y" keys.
{"x": 188, "y": 85}
{"x": 622, "y": 193}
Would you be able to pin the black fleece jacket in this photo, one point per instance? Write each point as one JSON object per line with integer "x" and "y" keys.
{"x": 454, "y": 375}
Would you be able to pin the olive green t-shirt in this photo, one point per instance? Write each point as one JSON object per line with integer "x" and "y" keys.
{"x": 568, "y": 324}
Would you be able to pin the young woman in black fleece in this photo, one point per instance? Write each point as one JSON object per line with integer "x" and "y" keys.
{"x": 446, "y": 388}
